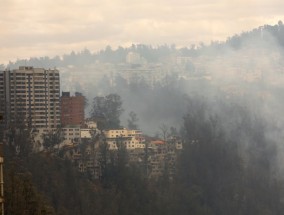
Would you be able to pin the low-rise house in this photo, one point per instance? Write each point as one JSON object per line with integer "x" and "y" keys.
{"x": 71, "y": 134}
{"x": 132, "y": 139}
{"x": 45, "y": 138}
{"x": 91, "y": 124}
{"x": 156, "y": 157}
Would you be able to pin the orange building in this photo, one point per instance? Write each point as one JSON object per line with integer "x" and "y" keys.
{"x": 72, "y": 109}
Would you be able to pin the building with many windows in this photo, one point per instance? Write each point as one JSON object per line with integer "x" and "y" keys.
{"x": 72, "y": 109}
{"x": 71, "y": 135}
{"x": 131, "y": 139}
{"x": 30, "y": 95}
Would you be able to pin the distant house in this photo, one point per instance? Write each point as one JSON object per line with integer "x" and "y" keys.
{"x": 131, "y": 139}
{"x": 71, "y": 134}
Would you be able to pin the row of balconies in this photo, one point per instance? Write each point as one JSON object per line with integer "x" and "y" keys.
{"x": 20, "y": 80}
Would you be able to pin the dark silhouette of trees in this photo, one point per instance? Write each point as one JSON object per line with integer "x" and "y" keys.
{"x": 268, "y": 34}
{"x": 132, "y": 121}
{"x": 52, "y": 139}
{"x": 226, "y": 167}
{"x": 229, "y": 168}
{"x": 22, "y": 197}
{"x": 108, "y": 109}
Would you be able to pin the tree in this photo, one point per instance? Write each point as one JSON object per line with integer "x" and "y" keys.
{"x": 18, "y": 142}
{"x": 52, "y": 139}
{"x": 122, "y": 154}
{"x": 132, "y": 121}
{"x": 173, "y": 131}
{"x": 228, "y": 166}
{"x": 146, "y": 159}
{"x": 103, "y": 161}
{"x": 164, "y": 129}
{"x": 108, "y": 109}
{"x": 22, "y": 197}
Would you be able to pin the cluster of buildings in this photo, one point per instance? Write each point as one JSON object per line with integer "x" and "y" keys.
{"x": 30, "y": 97}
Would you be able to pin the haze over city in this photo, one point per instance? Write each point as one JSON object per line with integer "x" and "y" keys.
{"x": 141, "y": 107}
{"x": 48, "y": 28}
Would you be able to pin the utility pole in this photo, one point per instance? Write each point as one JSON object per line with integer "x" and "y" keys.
{"x": 1, "y": 175}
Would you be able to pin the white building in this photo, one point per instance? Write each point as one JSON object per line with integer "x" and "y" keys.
{"x": 91, "y": 124}
{"x": 134, "y": 58}
{"x": 90, "y": 131}
{"x": 71, "y": 135}
{"x": 86, "y": 133}
{"x": 132, "y": 139}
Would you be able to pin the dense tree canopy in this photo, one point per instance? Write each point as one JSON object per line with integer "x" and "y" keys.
{"x": 268, "y": 34}
{"x": 228, "y": 165}
{"x": 107, "y": 110}
{"x": 225, "y": 168}
{"x": 133, "y": 120}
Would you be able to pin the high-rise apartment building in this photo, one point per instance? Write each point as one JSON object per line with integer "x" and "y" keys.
{"x": 2, "y": 98}
{"x": 72, "y": 109}
{"x": 30, "y": 95}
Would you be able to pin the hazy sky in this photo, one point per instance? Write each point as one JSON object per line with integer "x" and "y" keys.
{"x": 32, "y": 28}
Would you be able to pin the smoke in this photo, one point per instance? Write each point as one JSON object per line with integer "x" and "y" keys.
{"x": 248, "y": 73}
{"x": 243, "y": 85}
{"x": 244, "y": 74}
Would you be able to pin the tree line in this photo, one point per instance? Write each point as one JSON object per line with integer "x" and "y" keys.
{"x": 268, "y": 35}
{"x": 228, "y": 166}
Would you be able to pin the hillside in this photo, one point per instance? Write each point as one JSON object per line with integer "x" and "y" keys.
{"x": 224, "y": 99}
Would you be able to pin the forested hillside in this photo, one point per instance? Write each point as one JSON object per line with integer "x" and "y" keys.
{"x": 226, "y": 167}
{"x": 225, "y": 102}
{"x": 265, "y": 36}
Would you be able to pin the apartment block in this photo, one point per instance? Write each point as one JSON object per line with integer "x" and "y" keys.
{"x": 72, "y": 109}
{"x": 71, "y": 134}
{"x": 2, "y": 104}
{"x": 132, "y": 139}
{"x": 30, "y": 96}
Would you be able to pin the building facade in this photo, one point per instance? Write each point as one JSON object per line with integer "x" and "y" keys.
{"x": 132, "y": 139}
{"x": 30, "y": 96}
{"x": 2, "y": 105}
{"x": 71, "y": 135}
{"x": 72, "y": 109}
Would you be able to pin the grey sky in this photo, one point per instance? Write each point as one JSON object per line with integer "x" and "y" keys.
{"x": 32, "y": 28}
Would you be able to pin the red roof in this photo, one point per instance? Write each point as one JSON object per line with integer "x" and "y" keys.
{"x": 158, "y": 142}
